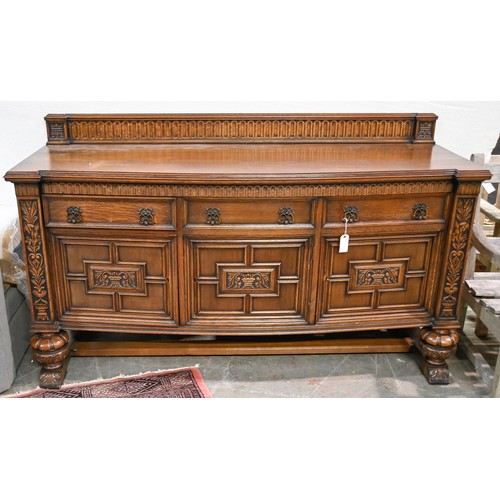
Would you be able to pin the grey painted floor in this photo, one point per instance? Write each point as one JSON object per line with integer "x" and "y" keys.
{"x": 286, "y": 376}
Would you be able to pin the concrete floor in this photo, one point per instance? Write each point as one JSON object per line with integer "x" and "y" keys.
{"x": 288, "y": 376}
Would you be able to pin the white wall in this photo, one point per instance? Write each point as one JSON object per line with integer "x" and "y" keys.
{"x": 464, "y": 127}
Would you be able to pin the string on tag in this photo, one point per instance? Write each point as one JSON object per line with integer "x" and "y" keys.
{"x": 344, "y": 239}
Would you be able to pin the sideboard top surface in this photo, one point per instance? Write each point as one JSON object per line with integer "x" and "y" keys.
{"x": 226, "y": 162}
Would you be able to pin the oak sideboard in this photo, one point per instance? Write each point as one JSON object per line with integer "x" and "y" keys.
{"x": 244, "y": 234}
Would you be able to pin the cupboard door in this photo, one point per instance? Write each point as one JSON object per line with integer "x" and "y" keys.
{"x": 251, "y": 282}
{"x": 378, "y": 276}
{"x": 129, "y": 280}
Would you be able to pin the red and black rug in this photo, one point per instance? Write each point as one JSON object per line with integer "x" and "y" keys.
{"x": 182, "y": 383}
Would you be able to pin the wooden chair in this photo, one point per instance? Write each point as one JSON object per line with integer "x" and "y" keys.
{"x": 481, "y": 291}
{"x": 487, "y": 210}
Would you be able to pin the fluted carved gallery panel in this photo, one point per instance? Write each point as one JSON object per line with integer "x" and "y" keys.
{"x": 239, "y": 128}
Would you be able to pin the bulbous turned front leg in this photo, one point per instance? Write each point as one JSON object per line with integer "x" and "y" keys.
{"x": 52, "y": 351}
{"x": 436, "y": 346}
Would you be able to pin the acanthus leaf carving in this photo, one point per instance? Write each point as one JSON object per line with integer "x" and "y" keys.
{"x": 35, "y": 259}
{"x": 456, "y": 257}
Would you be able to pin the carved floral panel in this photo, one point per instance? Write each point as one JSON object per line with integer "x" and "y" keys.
{"x": 253, "y": 280}
{"x": 377, "y": 276}
{"x": 106, "y": 278}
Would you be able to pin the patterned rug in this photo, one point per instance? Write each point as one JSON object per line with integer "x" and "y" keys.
{"x": 182, "y": 383}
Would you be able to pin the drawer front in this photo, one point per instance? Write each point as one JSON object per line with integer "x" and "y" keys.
{"x": 241, "y": 212}
{"x": 361, "y": 210}
{"x": 105, "y": 211}
{"x": 377, "y": 277}
{"x": 251, "y": 282}
{"x": 116, "y": 279}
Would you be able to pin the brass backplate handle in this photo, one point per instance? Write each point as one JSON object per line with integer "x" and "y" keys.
{"x": 420, "y": 211}
{"x": 212, "y": 216}
{"x": 351, "y": 214}
{"x": 74, "y": 215}
{"x": 146, "y": 216}
{"x": 286, "y": 216}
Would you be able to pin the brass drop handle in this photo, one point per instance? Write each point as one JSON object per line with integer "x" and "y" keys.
{"x": 212, "y": 216}
{"x": 74, "y": 215}
{"x": 420, "y": 211}
{"x": 286, "y": 216}
{"x": 146, "y": 216}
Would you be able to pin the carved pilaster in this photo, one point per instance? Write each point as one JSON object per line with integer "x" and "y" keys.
{"x": 470, "y": 188}
{"x": 456, "y": 258}
{"x": 35, "y": 259}
{"x": 438, "y": 344}
{"x": 50, "y": 347}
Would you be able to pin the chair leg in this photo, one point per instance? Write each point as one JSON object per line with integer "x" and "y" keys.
{"x": 495, "y": 389}
{"x": 481, "y": 330}
{"x": 462, "y": 314}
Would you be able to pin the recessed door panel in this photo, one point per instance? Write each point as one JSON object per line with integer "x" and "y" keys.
{"x": 376, "y": 276}
{"x": 118, "y": 278}
{"x": 248, "y": 280}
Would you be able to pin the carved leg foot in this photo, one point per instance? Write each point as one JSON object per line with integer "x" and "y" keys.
{"x": 51, "y": 350}
{"x": 435, "y": 347}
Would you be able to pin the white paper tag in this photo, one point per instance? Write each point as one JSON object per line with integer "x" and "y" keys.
{"x": 488, "y": 187}
{"x": 344, "y": 243}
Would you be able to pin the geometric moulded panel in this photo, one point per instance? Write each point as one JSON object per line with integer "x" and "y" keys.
{"x": 377, "y": 275}
{"x": 248, "y": 280}
{"x": 130, "y": 279}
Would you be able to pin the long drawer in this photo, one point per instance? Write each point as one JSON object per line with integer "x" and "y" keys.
{"x": 104, "y": 211}
{"x": 280, "y": 212}
{"x": 428, "y": 208}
